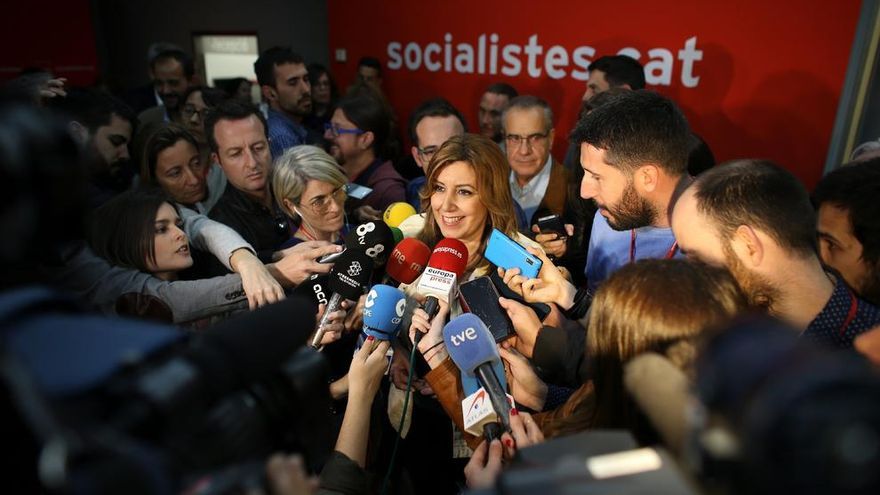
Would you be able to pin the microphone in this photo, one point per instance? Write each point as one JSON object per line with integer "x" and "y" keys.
{"x": 347, "y": 280}
{"x": 383, "y": 310}
{"x": 406, "y": 262}
{"x": 446, "y": 265}
{"x": 472, "y": 348}
{"x": 397, "y": 234}
{"x": 397, "y": 213}
{"x": 314, "y": 289}
{"x": 374, "y": 238}
{"x": 661, "y": 392}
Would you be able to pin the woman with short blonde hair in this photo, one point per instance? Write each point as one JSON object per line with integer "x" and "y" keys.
{"x": 311, "y": 189}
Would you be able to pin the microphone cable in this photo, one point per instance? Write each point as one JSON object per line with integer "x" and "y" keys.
{"x": 406, "y": 395}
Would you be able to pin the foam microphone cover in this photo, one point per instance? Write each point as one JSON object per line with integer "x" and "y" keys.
{"x": 397, "y": 234}
{"x": 374, "y": 238}
{"x": 408, "y": 260}
{"x": 397, "y": 213}
{"x": 351, "y": 274}
{"x": 469, "y": 343}
{"x": 383, "y": 310}
{"x": 450, "y": 255}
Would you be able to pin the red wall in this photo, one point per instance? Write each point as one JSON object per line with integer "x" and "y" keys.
{"x": 770, "y": 73}
{"x": 54, "y": 35}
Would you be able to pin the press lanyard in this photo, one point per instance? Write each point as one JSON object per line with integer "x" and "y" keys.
{"x": 851, "y": 315}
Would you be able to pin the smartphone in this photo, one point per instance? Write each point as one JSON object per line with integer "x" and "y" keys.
{"x": 480, "y": 297}
{"x": 552, "y": 224}
{"x": 358, "y": 191}
{"x": 506, "y": 253}
{"x": 541, "y": 309}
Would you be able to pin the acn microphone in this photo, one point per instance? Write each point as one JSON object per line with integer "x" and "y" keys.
{"x": 348, "y": 277}
{"x": 472, "y": 348}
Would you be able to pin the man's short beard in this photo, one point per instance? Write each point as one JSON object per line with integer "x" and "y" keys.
{"x": 632, "y": 211}
{"x": 758, "y": 290}
{"x": 869, "y": 289}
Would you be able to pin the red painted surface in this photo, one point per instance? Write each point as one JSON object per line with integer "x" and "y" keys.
{"x": 770, "y": 73}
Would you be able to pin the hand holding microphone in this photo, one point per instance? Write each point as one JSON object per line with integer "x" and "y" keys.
{"x": 427, "y": 334}
{"x": 349, "y": 276}
{"x": 445, "y": 268}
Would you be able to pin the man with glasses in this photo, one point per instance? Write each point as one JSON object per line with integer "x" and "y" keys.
{"x": 430, "y": 125}
{"x": 284, "y": 84}
{"x": 537, "y": 182}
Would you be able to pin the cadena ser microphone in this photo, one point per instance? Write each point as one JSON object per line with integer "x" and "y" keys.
{"x": 374, "y": 238}
{"x": 472, "y": 349}
{"x": 383, "y": 310}
{"x": 349, "y": 276}
{"x": 397, "y": 213}
{"x": 406, "y": 262}
{"x": 445, "y": 267}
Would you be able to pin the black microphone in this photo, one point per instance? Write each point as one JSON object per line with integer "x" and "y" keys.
{"x": 348, "y": 278}
{"x": 373, "y": 238}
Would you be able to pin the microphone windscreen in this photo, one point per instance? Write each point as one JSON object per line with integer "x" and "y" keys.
{"x": 396, "y": 234}
{"x": 450, "y": 255}
{"x": 408, "y": 260}
{"x": 315, "y": 289}
{"x": 397, "y": 213}
{"x": 383, "y": 310}
{"x": 469, "y": 342}
{"x": 351, "y": 274}
{"x": 374, "y": 238}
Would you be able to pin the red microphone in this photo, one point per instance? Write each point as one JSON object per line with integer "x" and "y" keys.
{"x": 439, "y": 280}
{"x": 407, "y": 261}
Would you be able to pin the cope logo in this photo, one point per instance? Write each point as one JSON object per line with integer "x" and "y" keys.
{"x": 354, "y": 269}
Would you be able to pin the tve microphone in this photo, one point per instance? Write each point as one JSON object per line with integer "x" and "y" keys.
{"x": 397, "y": 213}
{"x": 347, "y": 280}
{"x": 662, "y": 391}
{"x": 446, "y": 265}
{"x": 407, "y": 261}
{"x": 374, "y": 238}
{"x": 383, "y": 310}
{"x": 472, "y": 348}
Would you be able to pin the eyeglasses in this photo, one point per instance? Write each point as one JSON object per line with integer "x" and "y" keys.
{"x": 335, "y": 130}
{"x": 427, "y": 153}
{"x": 189, "y": 110}
{"x": 515, "y": 140}
{"x": 321, "y": 204}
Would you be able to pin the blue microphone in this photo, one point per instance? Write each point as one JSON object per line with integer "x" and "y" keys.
{"x": 383, "y": 310}
{"x": 472, "y": 348}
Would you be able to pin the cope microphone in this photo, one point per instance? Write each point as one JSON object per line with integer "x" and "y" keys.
{"x": 374, "y": 238}
{"x": 446, "y": 265}
{"x": 472, "y": 349}
{"x": 406, "y": 262}
{"x": 383, "y": 310}
{"x": 348, "y": 277}
{"x": 397, "y": 213}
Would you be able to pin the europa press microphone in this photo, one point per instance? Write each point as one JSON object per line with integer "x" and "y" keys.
{"x": 446, "y": 265}
{"x": 472, "y": 348}
{"x": 407, "y": 261}
{"x": 374, "y": 238}
{"x": 349, "y": 276}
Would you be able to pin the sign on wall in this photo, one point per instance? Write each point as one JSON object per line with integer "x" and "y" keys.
{"x": 755, "y": 79}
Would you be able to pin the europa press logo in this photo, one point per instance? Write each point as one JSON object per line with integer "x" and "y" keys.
{"x": 354, "y": 269}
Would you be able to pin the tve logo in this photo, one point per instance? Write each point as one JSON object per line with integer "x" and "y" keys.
{"x": 469, "y": 333}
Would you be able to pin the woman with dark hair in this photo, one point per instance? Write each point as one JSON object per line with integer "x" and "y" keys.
{"x": 324, "y": 93}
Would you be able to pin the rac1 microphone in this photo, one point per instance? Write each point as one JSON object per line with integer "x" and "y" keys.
{"x": 446, "y": 265}
{"x": 397, "y": 213}
{"x": 407, "y": 261}
{"x": 383, "y": 310}
{"x": 348, "y": 277}
{"x": 374, "y": 238}
{"x": 472, "y": 348}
